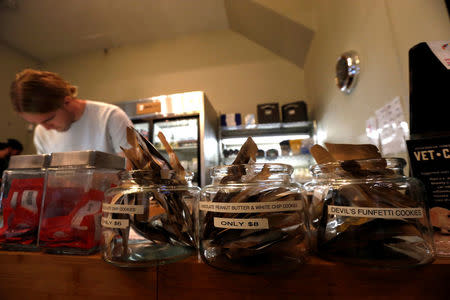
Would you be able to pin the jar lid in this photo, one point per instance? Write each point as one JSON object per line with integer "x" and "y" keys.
{"x": 360, "y": 167}
{"x": 242, "y": 173}
{"x": 163, "y": 174}
{"x": 87, "y": 159}
{"x": 35, "y": 161}
{"x": 255, "y": 167}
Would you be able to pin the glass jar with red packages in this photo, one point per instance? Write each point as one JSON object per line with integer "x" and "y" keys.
{"x": 20, "y": 202}
{"x": 71, "y": 213}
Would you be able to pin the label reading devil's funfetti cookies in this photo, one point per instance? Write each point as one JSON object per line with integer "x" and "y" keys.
{"x": 375, "y": 212}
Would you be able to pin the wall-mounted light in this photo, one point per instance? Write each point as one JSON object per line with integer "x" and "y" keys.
{"x": 347, "y": 71}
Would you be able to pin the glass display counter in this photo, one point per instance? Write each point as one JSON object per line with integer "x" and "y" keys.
{"x": 286, "y": 143}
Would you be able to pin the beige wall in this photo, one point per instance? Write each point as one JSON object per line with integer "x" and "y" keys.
{"x": 382, "y": 32}
{"x": 11, "y": 125}
{"x": 235, "y": 73}
{"x": 300, "y": 11}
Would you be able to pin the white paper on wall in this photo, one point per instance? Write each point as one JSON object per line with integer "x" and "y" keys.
{"x": 372, "y": 131}
{"x": 392, "y": 128}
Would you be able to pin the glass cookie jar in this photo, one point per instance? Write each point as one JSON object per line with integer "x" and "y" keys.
{"x": 149, "y": 219}
{"x": 75, "y": 189}
{"x": 367, "y": 212}
{"x": 23, "y": 188}
{"x": 253, "y": 223}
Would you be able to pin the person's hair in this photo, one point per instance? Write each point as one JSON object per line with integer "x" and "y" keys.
{"x": 15, "y": 144}
{"x": 3, "y": 146}
{"x": 36, "y": 91}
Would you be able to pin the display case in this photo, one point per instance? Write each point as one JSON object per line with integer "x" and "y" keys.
{"x": 188, "y": 121}
{"x": 286, "y": 143}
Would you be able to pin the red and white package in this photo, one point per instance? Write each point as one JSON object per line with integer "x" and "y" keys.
{"x": 21, "y": 211}
{"x": 71, "y": 219}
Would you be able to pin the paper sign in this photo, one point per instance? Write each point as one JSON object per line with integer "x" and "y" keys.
{"x": 148, "y": 107}
{"x": 392, "y": 128}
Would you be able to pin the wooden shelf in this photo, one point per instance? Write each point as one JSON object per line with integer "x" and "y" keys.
{"x": 44, "y": 276}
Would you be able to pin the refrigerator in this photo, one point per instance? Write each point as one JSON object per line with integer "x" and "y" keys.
{"x": 189, "y": 123}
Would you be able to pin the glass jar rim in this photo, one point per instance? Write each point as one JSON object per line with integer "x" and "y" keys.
{"x": 274, "y": 168}
{"x": 369, "y": 164}
{"x": 166, "y": 174}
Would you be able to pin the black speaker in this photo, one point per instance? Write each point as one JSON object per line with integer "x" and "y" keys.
{"x": 268, "y": 113}
{"x": 294, "y": 112}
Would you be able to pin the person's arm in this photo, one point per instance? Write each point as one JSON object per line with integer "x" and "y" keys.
{"x": 117, "y": 128}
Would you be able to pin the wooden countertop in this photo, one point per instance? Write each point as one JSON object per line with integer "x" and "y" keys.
{"x": 26, "y": 275}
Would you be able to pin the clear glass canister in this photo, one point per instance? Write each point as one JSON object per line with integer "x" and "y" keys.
{"x": 71, "y": 210}
{"x": 254, "y": 224}
{"x": 367, "y": 212}
{"x": 20, "y": 202}
{"x": 148, "y": 220}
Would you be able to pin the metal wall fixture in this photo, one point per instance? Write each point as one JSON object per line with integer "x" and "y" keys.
{"x": 347, "y": 71}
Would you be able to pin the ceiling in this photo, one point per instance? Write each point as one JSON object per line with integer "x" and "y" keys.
{"x": 48, "y": 29}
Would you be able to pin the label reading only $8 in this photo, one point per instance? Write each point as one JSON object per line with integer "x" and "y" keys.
{"x": 248, "y": 207}
{"x": 115, "y": 223}
{"x": 256, "y": 223}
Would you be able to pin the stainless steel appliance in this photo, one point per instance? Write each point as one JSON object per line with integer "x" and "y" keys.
{"x": 189, "y": 123}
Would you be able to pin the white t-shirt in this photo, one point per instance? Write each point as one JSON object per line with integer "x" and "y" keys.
{"x": 102, "y": 127}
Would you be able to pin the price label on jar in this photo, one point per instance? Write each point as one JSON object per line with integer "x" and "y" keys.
{"x": 256, "y": 223}
{"x": 376, "y": 212}
{"x": 115, "y": 223}
{"x": 251, "y": 207}
{"x": 123, "y": 209}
